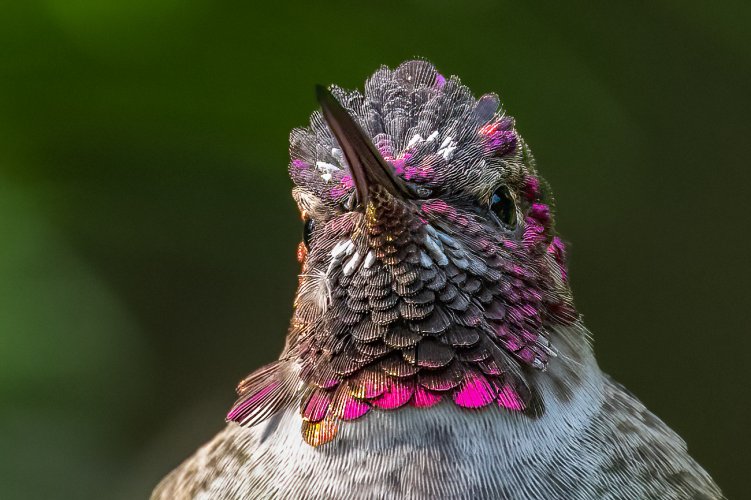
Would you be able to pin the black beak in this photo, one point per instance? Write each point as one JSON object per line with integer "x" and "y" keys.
{"x": 368, "y": 168}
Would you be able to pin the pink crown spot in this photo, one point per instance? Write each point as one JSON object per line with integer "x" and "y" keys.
{"x": 532, "y": 187}
{"x": 475, "y": 392}
{"x": 424, "y": 398}
{"x": 385, "y": 148}
{"x": 329, "y": 383}
{"x": 486, "y": 245}
{"x": 438, "y": 207}
{"x": 513, "y": 342}
{"x": 440, "y": 81}
{"x": 510, "y": 399}
{"x": 317, "y": 406}
{"x": 397, "y": 163}
{"x": 419, "y": 174}
{"x": 369, "y": 385}
{"x": 515, "y": 315}
{"x": 529, "y": 310}
{"x": 351, "y": 408}
{"x": 526, "y": 354}
{"x": 509, "y": 244}
{"x": 529, "y": 336}
{"x": 398, "y": 394}
{"x": 497, "y": 140}
{"x": 247, "y": 405}
{"x": 300, "y": 164}
{"x": 534, "y": 232}
{"x": 540, "y": 211}
{"x": 346, "y": 184}
{"x": 558, "y": 250}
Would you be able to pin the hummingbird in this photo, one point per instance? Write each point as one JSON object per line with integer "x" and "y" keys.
{"x": 434, "y": 349}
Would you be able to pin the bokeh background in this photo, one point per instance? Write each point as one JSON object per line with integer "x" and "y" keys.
{"x": 147, "y": 235}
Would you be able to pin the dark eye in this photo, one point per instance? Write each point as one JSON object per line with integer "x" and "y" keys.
{"x": 502, "y": 205}
{"x": 307, "y": 231}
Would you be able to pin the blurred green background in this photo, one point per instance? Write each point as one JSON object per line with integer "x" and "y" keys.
{"x": 148, "y": 236}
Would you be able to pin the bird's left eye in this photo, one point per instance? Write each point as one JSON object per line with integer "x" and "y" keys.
{"x": 307, "y": 231}
{"x": 503, "y": 207}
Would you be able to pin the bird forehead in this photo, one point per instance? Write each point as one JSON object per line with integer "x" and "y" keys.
{"x": 432, "y": 131}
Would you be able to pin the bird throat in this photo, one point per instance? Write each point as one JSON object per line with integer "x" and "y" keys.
{"x": 424, "y": 304}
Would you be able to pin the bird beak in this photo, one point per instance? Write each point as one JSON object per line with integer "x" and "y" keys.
{"x": 369, "y": 169}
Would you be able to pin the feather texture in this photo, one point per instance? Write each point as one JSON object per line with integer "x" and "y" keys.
{"x": 435, "y": 350}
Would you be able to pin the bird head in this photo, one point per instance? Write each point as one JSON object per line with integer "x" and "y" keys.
{"x": 430, "y": 265}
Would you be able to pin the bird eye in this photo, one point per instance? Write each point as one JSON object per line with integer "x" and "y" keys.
{"x": 307, "y": 231}
{"x": 502, "y": 205}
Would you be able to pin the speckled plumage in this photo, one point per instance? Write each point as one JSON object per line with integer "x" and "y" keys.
{"x": 434, "y": 351}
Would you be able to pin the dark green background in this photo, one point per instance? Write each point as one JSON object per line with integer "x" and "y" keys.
{"x": 148, "y": 236}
